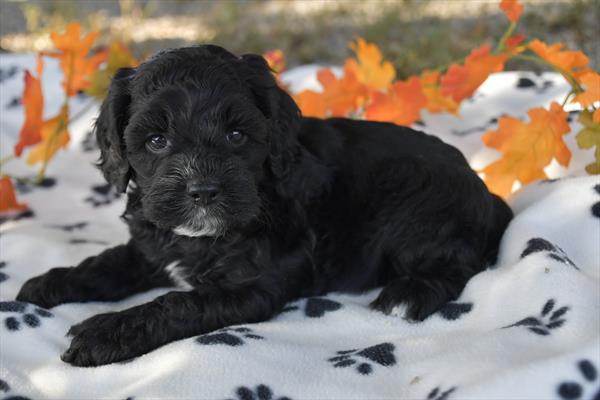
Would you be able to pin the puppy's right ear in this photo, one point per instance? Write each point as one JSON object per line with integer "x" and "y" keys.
{"x": 110, "y": 125}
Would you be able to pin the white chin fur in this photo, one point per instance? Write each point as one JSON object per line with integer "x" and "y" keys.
{"x": 210, "y": 228}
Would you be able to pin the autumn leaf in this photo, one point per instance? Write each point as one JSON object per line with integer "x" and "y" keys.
{"x": 119, "y": 56}
{"x": 515, "y": 40}
{"x": 8, "y": 198}
{"x": 402, "y": 104}
{"x": 276, "y": 60}
{"x": 527, "y": 148}
{"x": 460, "y": 82}
{"x": 566, "y": 60}
{"x": 339, "y": 97}
{"x": 72, "y": 54}
{"x": 370, "y": 69}
{"x": 591, "y": 81}
{"x": 54, "y": 135}
{"x": 512, "y": 9}
{"x": 33, "y": 104}
{"x": 589, "y": 137}
{"x": 436, "y": 102}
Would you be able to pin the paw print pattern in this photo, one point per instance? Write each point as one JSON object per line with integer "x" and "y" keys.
{"x": 15, "y": 102}
{"x": 229, "y": 336}
{"x": 316, "y": 307}
{"x": 570, "y": 390}
{"x": 382, "y": 354}
{"x": 438, "y": 394}
{"x": 69, "y": 227}
{"x": 453, "y": 311}
{"x": 5, "y": 388}
{"x": 261, "y": 392}
{"x": 549, "y": 319}
{"x": 596, "y": 206}
{"x": 29, "y": 318}
{"x": 102, "y": 195}
{"x": 25, "y": 186}
{"x": 527, "y": 83}
{"x": 88, "y": 241}
{"x": 8, "y": 73}
{"x": 89, "y": 143}
{"x": 3, "y": 275}
{"x": 556, "y": 253}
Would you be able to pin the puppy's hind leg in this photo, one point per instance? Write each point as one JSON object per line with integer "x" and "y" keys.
{"x": 424, "y": 286}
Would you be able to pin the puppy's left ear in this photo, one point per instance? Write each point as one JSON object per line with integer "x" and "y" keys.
{"x": 113, "y": 118}
{"x": 278, "y": 107}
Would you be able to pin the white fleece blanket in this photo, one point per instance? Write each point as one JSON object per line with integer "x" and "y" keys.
{"x": 528, "y": 328}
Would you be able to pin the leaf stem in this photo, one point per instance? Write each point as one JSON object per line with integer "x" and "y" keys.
{"x": 509, "y": 31}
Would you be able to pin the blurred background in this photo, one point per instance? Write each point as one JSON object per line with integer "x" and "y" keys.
{"x": 413, "y": 34}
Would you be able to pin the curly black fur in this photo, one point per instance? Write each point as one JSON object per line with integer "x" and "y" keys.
{"x": 301, "y": 208}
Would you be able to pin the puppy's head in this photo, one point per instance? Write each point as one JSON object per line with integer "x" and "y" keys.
{"x": 200, "y": 132}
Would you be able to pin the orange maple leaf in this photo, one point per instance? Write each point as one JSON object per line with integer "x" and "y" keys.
{"x": 339, "y": 97}
{"x": 527, "y": 148}
{"x": 460, "y": 82}
{"x": 370, "y": 69}
{"x": 567, "y": 60}
{"x": 33, "y": 103}
{"x": 73, "y": 51}
{"x": 436, "y": 102}
{"x": 8, "y": 198}
{"x": 54, "y": 134}
{"x": 512, "y": 9}
{"x": 276, "y": 60}
{"x": 402, "y": 104}
{"x": 119, "y": 57}
{"x": 591, "y": 81}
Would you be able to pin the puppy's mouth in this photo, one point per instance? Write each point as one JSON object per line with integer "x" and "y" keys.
{"x": 201, "y": 224}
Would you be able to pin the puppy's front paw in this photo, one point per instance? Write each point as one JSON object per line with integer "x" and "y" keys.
{"x": 105, "y": 339}
{"x": 46, "y": 290}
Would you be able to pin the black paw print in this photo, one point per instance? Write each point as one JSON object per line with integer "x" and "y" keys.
{"x": 316, "y": 307}
{"x": 13, "y": 103}
{"x": 8, "y": 73}
{"x": 453, "y": 311}
{"x": 3, "y": 275}
{"x": 5, "y": 388}
{"x": 527, "y": 83}
{"x": 102, "y": 195}
{"x": 261, "y": 392}
{"x": 547, "y": 320}
{"x": 573, "y": 390}
{"x": 229, "y": 336}
{"x": 89, "y": 143}
{"x": 438, "y": 394}
{"x": 382, "y": 354}
{"x": 24, "y": 186}
{"x": 596, "y": 206}
{"x": 88, "y": 241}
{"x": 69, "y": 227}
{"x": 31, "y": 319}
{"x": 556, "y": 253}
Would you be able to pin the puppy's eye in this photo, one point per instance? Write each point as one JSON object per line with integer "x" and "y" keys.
{"x": 236, "y": 138}
{"x": 157, "y": 143}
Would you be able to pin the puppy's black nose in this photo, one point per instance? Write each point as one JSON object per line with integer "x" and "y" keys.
{"x": 203, "y": 193}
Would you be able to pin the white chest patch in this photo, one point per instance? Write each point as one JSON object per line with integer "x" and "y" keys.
{"x": 178, "y": 276}
{"x": 210, "y": 227}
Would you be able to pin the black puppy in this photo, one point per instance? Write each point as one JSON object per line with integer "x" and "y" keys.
{"x": 248, "y": 205}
